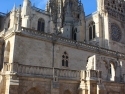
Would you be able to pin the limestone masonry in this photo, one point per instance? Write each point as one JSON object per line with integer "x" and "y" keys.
{"x": 59, "y": 50}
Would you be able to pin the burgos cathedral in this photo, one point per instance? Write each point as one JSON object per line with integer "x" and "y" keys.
{"x": 59, "y": 50}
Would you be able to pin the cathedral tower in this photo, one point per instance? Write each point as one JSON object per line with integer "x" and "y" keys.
{"x": 112, "y": 13}
{"x": 69, "y": 18}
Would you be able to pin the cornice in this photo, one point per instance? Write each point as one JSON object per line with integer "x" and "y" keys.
{"x": 70, "y": 43}
{"x": 52, "y": 38}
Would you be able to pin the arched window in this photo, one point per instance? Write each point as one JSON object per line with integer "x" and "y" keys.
{"x": 41, "y": 25}
{"x": 92, "y": 31}
{"x": 112, "y": 71}
{"x": 65, "y": 59}
{"x": 74, "y": 35}
{"x": 7, "y": 53}
{"x": 8, "y": 24}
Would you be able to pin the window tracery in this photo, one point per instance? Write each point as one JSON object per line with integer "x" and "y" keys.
{"x": 65, "y": 59}
{"x": 41, "y": 25}
{"x": 116, "y": 34}
{"x": 115, "y": 8}
{"x": 92, "y": 31}
{"x": 112, "y": 71}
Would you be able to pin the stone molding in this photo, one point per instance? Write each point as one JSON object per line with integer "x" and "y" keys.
{"x": 37, "y": 71}
{"x": 64, "y": 41}
{"x": 77, "y": 44}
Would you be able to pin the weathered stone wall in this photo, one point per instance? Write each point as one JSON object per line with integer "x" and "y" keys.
{"x": 40, "y": 53}
{"x": 114, "y": 88}
{"x": 36, "y": 17}
{"x": 35, "y": 52}
{"x": 117, "y": 46}
{"x": 70, "y": 86}
{"x": 31, "y": 85}
{"x": 9, "y": 45}
{"x": 14, "y": 89}
{"x": 43, "y": 86}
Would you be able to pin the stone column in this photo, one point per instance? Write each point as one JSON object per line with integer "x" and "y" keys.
{"x": 6, "y": 84}
{"x": 55, "y": 86}
{"x": 83, "y": 88}
{"x": 101, "y": 89}
{"x": 92, "y": 87}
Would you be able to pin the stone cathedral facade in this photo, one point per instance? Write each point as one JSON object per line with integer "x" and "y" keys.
{"x": 59, "y": 50}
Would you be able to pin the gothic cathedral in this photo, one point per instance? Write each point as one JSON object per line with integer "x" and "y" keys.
{"x": 59, "y": 50}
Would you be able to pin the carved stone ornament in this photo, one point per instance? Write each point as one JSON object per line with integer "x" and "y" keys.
{"x": 115, "y": 33}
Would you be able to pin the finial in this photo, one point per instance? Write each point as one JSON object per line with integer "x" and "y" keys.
{"x": 14, "y": 7}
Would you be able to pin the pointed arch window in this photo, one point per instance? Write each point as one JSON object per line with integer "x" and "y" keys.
{"x": 65, "y": 59}
{"x": 112, "y": 71}
{"x": 92, "y": 31}
{"x": 8, "y": 24}
{"x": 7, "y": 53}
{"x": 74, "y": 35}
{"x": 41, "y": 25}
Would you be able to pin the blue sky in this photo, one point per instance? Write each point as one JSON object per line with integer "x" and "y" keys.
{"x": 7, "y": 5}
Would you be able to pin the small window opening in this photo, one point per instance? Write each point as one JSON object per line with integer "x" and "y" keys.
{"x": 41, "y": 25}
{"x": 65, "y": 59}
{"x": 92, "y": 31}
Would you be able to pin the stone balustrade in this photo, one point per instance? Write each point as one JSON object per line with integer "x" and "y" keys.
{"x": 63, "y": 73}
{"x": 77, "y": 44}
{"x": 34, "y": 32}
{"x": 91, "y": 74}
{"x": 6, "y": 31}
{"x": 40, "y": 10}
{"x": 2, "y": 33}
{"x": 90, "y": 15}
{"x": 41, "y": 71}
{"x": 28, "y": 70}
{"x": 9, "y": 30}
{"x": 8, "y": 66}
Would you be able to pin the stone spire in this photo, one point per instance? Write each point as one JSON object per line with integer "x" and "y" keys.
{"x": 13, "y": 17}
{"x": 19, "y": 18}
{"x": 14, "y": 7}
{"x": 47, "y": 6}
{"x": 26, "y": 7}
{"x": 68, "y": 14}
{"x": 26, "y": 13}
